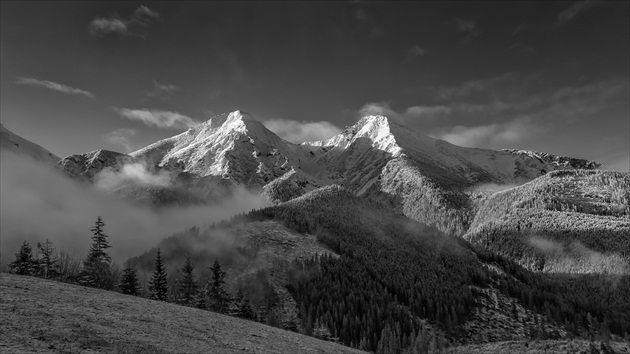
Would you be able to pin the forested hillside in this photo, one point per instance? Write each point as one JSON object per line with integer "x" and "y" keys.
{"x": 394, "y": 272}
{"x": 564, "y": 222}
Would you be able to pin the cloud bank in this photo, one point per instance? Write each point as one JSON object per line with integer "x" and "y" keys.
{"x": 53, "y": 86}
{"x": 574, "y": 10}
{"x": 299, "y": 132}
{"x": 38, "y": 203}
{"x": 157, "y": 118}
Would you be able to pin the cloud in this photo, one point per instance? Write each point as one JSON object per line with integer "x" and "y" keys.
{"x": 54, "y": 86}
{"x": 136, "y": 174}
{"x": 498, "y": 135}
{"x": 574, "y": 10}
{"x": 162, "y": 90}
{"x": 467, "y": 26}
{"x": 121, "y": 137}
{"x": 65, "y": 212}
{"x": 133, "y": 26}
{"x": 411, "y": 116}
{"x": 299, "y": 132}
{"x": 158, "y": 119}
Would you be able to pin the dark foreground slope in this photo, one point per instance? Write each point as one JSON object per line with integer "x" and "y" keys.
{"x": 47, "y": 316}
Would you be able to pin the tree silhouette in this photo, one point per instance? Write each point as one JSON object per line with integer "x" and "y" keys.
{"x": 96, "y": 266}
{"x": 24, "y": 263}
{"x": 187, "y": 285}
{"x": 129, "y": 283}
{"x": 48, "y": 263}
{"x": 158, "y": 285}
{"x": 218, "y": 298}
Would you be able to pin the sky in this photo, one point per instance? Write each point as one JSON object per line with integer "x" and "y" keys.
{"x": 544, "y": 76}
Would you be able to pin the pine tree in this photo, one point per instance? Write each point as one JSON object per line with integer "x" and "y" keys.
{"x": 245, "y": 309}
{"x": 24, "y": 263}
{"x": 48, "y": 263}
{"x": 158, "y": 285}
{"x": 218, "y": 298}
{"x": 130, "y": 283}
{"x": 187, "y": 285}
{"x": 96, "y": 271}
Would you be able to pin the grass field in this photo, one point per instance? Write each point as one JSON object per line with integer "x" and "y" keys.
{"x": 41, "y": 316}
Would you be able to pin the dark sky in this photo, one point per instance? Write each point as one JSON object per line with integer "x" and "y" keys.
{"x": 546, "y": 76}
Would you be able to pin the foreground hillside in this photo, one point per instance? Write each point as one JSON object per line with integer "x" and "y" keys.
{"x": 47, "y": 316}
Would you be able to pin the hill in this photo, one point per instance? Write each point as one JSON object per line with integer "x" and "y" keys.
{"x": 564, "y": 222}
{"x": 51, "y": 317}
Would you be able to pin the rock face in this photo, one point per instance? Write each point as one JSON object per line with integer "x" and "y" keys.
{"x": 424, "y": 178}
{"x": 20, "y": 146}
{"x": 87, "y": 166}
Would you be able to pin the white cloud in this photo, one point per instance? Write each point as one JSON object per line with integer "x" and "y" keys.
{"x": 54, "y": 86}
{"x": 497, "y": 136}
{"x": 121, "y": 137}
{"x": 159, "y": 119}
{"x": 144, "y": 11}
{"x": 135, "y": 25}
{"x": 410, "y": 116}
{"x": 574, "y": 10}
{"x": 299, "y": 132}
{"x": 162, "y": 90}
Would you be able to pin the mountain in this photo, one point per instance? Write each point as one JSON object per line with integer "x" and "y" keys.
{"x": 426, "y": 179}
{"x": 9, "y": 141}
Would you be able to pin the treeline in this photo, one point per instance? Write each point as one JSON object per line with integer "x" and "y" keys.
{"x": 97, "y": 270}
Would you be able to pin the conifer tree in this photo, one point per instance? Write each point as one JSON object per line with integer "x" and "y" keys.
{"x": 218, "y": 298}
{"x": 244, "y": 308}
{"x": 48, "y": 263}
{"x": 158, "y": 285}
{"x": 24, "y": 263}
{"x": 188, "y": 288}
{"x": 96, "y": 271}
{"x": 130, "y": 283}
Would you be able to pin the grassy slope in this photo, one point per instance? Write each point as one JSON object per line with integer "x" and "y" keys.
{"x": 45, "y": 316}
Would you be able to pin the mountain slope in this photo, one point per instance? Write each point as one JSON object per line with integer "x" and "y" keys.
{"x": 50, "y": 317}
{"x": 565, "y": 221}
{"x": 20, "y": 146}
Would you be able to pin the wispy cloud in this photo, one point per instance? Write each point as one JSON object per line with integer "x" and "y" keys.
{"x": 467, "y": 26}
{"x": 411, "y": 116}
{"x": 53, "y": 86}
{"x": 157, "y": 118}
{"x": 299, "y": 132}
{"x": 574, "y": 10}
{"x": 121, "y": 137}
{"x": 134, "y": 26}
{"x": 498, "y": 135}
{"x": 162, "y": 90}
